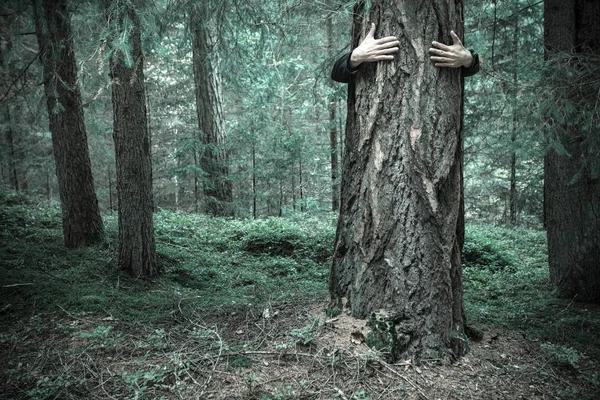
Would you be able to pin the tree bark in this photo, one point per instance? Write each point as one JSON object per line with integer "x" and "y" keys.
{"x": 82, "y": 224}
{"x": 333, "y": 133}
{"x": 572, "y": 206}
{"x": 397, "y": 252}
{"x": 209, "y": 106}
{"x": 137, "y": 249}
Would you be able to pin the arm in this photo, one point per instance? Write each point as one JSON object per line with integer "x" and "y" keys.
{"x": 341, "y": 72}
{"x": 454, "y": 56}
{"x": 369, "y": 50}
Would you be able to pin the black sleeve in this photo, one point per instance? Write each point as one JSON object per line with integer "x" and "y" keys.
{"x": 474, "y": 68}
{"x": 341, "y": 72}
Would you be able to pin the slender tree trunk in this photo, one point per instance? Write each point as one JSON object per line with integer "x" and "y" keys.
{"x": 254, "y": 213}
{"x": 513, "y": 136}
{"x": 8, "y": 152}
{"x": 280, "y": 212}
{"x": 301, "y": 185}
{"x": 572, "y": 206}
{"x": 137, "y": 249}
{"x": 397, "y": 251}
{"x": 333, "y": 132}
{"x": 209, "y": 105}
{"x": 82, "y": 224}
{"x": 294, "y": 200}
{"x": 196, "y": 183}
{"x": 12, "y": 161}
{"x": 110, "y": 191}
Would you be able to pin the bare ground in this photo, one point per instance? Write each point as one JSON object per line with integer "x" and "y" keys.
{"x": 272, "y": 351}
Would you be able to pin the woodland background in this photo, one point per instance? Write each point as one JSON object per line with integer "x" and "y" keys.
{"x": 239, "y": 307}
{"x": 275, "y": 64}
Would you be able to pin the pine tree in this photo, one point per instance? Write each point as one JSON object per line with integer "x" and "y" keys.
{"x": 82, "y": 224}
{"x": 137, "y": 248}
{"x": 214, "y": 159}
{"x": 572, "y": 167}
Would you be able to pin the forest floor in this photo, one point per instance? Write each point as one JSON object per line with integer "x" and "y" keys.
{"x": 238, "y": 313}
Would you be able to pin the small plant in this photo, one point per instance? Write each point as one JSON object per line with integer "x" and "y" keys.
{"x": 361, "y": 395}
{"x": 563, "y": 355}
{"x": 309, "y": 333}
{"x": 102, "y": 337}
{"x": 238, "y": 362}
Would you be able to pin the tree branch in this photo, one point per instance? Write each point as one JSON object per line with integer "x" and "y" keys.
{"x": 17, "y": 78}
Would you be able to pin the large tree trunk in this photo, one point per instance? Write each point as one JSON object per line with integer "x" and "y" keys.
{"x": 8, "y": 159}
{"x": 209, "y": 105}
{"x": 397, "y": 253}
{"x": 572, "y": 208}
{"x": 137, "y": 250}
{"x": 82, "y": 224}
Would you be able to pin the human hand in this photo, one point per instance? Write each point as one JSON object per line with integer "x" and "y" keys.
{"x": 453, "y": 56}
{"x": 371, "y": 49}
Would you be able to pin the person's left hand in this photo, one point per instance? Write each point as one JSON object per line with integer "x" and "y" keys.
{"x": 453, "y": 56}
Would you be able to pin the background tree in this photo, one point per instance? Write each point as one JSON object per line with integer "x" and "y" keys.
{"x": 572, "y": 166}
{"x": 137, "y": 249}
{"x": 396, "y": 251}
{"x": 214, "y": 157}
{"x": 82, "y": 224}
{"x": 503, "y": 147}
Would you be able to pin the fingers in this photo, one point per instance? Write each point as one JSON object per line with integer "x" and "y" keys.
{"x": 383, "y": 58}
{"x": 386, "y": 45}
{"x": 438, "y": 52}
{"x": 439, "y": 46}
{"x": 455, "y": 38}
{"x": 371, "y": 33}
{"x": 388, "y": 41}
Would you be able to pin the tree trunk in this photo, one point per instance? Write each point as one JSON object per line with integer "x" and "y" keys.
{"x": 10, "y": 142}
{"x": 572, "y": 206}
{"x": 137, "y": 251}
{"x": 110, "y": 191}
{"x": 254, "y": 194}
{"x": 397, "y": 253}
{"x": 513, "y": 136}
{"x": 333, "y": 133}
{"x": 82, "y": 224}
{"x": 302, "y": 208}
{"x": 209, "y": 106}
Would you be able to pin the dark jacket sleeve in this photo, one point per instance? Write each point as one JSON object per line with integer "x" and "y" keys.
{"x": 474, "y": 68}
{"x": 341, "y": 72}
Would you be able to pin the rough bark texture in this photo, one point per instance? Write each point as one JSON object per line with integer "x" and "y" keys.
{"x": 333, "y": 133}
{"x": 397, "y": 252}
{"x": 82, "y": 224}
{"x": 572, "y": 210}
{"x": 137, "y": 251}
{"x": 209, "y": 99}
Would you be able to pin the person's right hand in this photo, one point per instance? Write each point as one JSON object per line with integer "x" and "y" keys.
{"x": 371, "y": 49}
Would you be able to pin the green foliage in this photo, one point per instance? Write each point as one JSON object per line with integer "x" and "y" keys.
{"x": 238, "y": 362}
{"x": 199, "y": 255}
{"x": 567, "y": 100}
{"x": 563, "y": 355}
{"x": 285, "y": 237}
{"x": 481, "y": 252}
{"x": 519, "y": 295}
{"x": 306, "y": 335}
